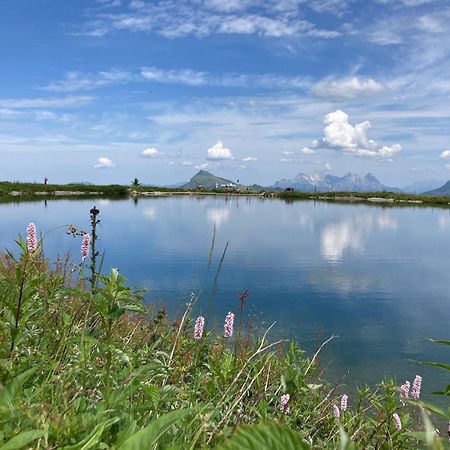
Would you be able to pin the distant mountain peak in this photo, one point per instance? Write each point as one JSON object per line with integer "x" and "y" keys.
{"x": 350, "y": 182}
{"x": 207, "y": 180}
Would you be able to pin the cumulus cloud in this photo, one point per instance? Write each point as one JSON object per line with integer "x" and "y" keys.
{"x": 218, "y": 152}
{"x": 347, "y": 88}
{"x": 202, "y": 166}
{"x": 186, "y": 163}
{"x": 307, "y": 151}
{"x": 286, "y": 160}
{"x": 104, "y": 163}
{"x": 340, "y": 135}
{"x": 445, "y": 154}
{"x": 151, "y": 153}
{"x": 249, "y": 158}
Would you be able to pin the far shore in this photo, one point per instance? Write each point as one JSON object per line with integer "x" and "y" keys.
{"x": 17, "y": 192}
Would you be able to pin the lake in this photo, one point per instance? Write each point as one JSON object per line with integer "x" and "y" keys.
{"x": 379, "y": 278}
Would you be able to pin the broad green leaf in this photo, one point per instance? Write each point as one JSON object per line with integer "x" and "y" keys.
{"x": 11, "y": 390}
{"x": 265, "y": 436}
{"x": 147, "y": 437}
{"x": 436, "y": 410}
{"x": 344, "y": 441}
{"x": 436, "y": 364}
{"x": 22, "y": 439}
{"x": 93, "y": 439}
{"x": 440, "y": 341}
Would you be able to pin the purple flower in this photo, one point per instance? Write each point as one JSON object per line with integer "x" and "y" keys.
{"x": 85, "y": 246}
{"x": 417, "y": 385}
{"x": 199, "y": 326}
{"x": 404, "y": 389}
{"x": 397, "y": 421}
{"x": 228, "y": 326}
{"x": 344, "y": 399}
{"x": 336, "y": 412}
{"x": 31, "y": 238}
{"x": 283, "y": 403}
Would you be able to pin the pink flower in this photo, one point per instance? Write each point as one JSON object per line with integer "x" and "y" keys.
{"x": 199, "y": 326}
{"x": 85, "y": 246}
{"x": 344, "y": 399}
{"x": 397, "y": 421}
{"x": 228, "y": 326}
{"x": 404, "y": 389}
{"x": 417, "y": 385}
{"x": 283, "y": 403}
{"x": 336, "y": 412}
{"x": 31, "y": 238}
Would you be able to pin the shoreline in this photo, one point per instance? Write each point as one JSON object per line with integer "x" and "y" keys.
{"x": 18, "y": 192}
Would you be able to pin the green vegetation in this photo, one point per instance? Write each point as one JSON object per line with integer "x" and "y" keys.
{"x": 85, "y": 365}
{"x": 390, "y": 198}
{"x": 29, "y": 191}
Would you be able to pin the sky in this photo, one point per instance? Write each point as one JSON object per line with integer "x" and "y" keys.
{"x": 104, "y": 91}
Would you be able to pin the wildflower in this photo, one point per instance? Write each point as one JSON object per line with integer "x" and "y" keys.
{"x": 31, "y": 238}
{"x": 199, "y": 326}
{"x": 283, "y": 403}
{"x": 228, "y": 326}
{"x": 397, "y": 421}
{"x": 404, "y": 389}
{"x": 85, "y": 245}
{"x": 344, "y": 399}
{"x": 417, "y": 385}
{"x": 336, "y": 412}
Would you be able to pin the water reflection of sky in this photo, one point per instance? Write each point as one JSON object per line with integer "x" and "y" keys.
{"x": 376, "y": 277}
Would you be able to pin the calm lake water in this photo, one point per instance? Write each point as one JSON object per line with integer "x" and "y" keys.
{"x": 379, "y": 278}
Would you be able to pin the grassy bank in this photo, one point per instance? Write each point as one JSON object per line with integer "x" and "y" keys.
{"x": 16, "y": 191}
{"x": 30, "y": 191}
{"x": 378, "y": 198}
{"x": 85, "y": 364}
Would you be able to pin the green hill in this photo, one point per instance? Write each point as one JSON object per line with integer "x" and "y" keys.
{"x": 443, "y": 190}
{"x": 207, "y": 180}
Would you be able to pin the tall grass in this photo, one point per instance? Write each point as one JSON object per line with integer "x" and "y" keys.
{"x": 84, "y": 368}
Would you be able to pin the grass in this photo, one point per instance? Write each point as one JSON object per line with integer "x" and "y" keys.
{"x": 17, "y": 191}
{"x": 27, "y": 191}
{"x": 86, "y": 367}
{"x": 397, "y": 199}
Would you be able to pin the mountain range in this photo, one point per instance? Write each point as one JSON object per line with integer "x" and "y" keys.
{"x": 331, "y": 183}
{"x": 322, "y": 183}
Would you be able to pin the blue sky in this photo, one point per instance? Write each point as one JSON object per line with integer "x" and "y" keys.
{"x": 109, "y": 90}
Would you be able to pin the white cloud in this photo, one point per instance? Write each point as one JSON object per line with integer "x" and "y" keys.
{"x": 190, "y": 77}
{"x": 77, "y": 81}
{"x": 287, "y": 153}
{"x": 202, "y": 166}
{"x": 218, "y": 152}
{"x": 52, "y": 102}
{"x": 445, "y": 154}
{"x": 173, "y": 19}
{"x": 186, "y": 163}
{"x": 181, "y": 76}
{"x": 340, "y": 135}
{"x": 104, "y": 163}
{"x": 308, "y": 151}
{"x": 249, "y": 158}
{"x": 286, "y": 160}
{"x": 347, "y": 88}
{"x": 151, "y": 153}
